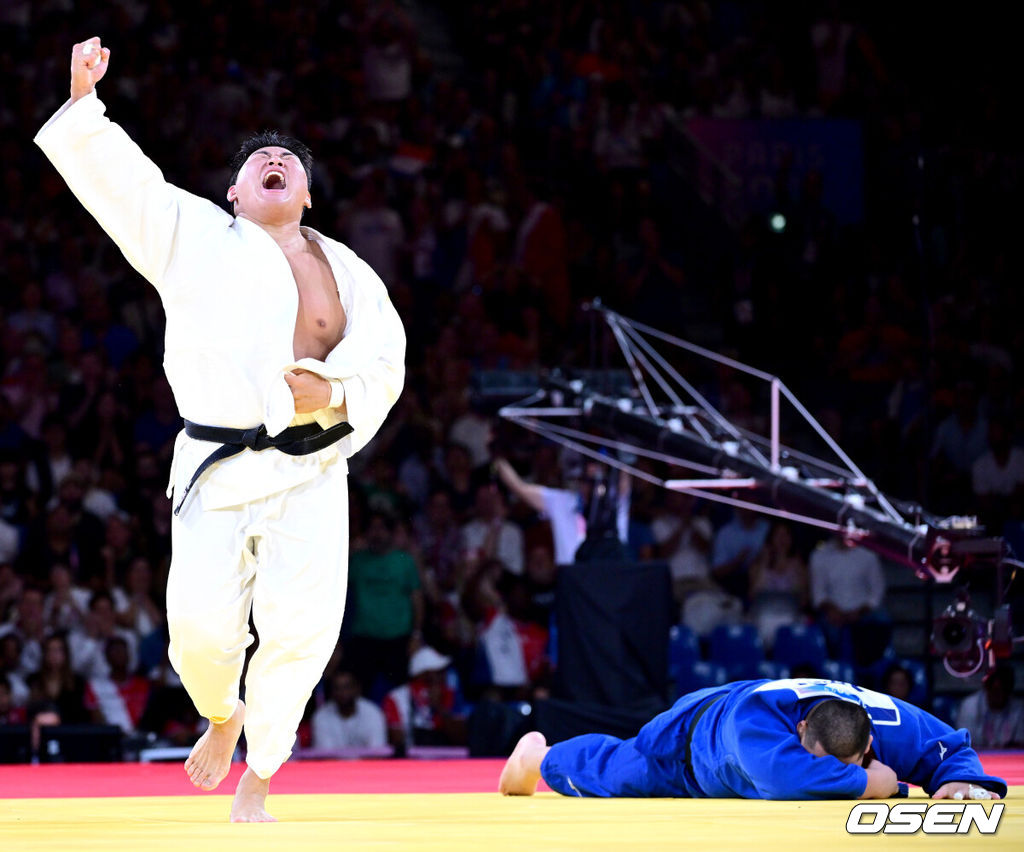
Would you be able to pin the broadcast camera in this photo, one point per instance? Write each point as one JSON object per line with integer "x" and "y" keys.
{"x": 966, "y": 641}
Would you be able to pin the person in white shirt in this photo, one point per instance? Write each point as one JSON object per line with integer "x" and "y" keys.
{"x": 993, "y": 716}
{"x": 997, "y": 477}
{"x": 847, "y": 591}
{"x": 490, "y": 535}
{"x": 285, "y": 355}
{"x": 684, "y": 540}
{"x": 348, "y": 720}
{"x": 564, "y": 508}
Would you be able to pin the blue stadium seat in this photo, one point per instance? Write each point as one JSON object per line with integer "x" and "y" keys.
{"x": 919, "y": 690}
{"x": 799, "y": 643}
{"x": 700, "y": 675}
{"x": 772, "y": 670}
{"x": 683, "y": 650}
{"x": 838, "y": 670}
{"x": 872, "y": 675}
{"x": 738, "y": 647}
{"x": 945, "y": 707}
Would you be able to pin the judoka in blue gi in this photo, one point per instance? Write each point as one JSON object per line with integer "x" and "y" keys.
{"x": 764, "y": 739}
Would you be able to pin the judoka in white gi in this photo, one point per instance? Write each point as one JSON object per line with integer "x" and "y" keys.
{"x": 267, "y": 323}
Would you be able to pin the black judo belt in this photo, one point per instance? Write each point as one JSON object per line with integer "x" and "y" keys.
{"x": 691, "y": 728}
{"x": 293, "y": 441}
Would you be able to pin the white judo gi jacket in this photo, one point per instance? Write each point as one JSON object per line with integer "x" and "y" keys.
{"x": 231, "y": 303}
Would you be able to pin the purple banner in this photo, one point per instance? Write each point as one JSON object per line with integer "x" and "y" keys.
{"x": 755, "y": 150}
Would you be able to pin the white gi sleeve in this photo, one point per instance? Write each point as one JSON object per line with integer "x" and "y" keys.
{"x": 370, "y": 393}
{"x": 119, "y": 185}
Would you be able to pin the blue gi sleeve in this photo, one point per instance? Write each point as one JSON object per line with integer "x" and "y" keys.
{"x": 926, "y": 751}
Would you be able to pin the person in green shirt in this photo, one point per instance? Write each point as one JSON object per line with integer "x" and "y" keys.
{"x": 386, "y": 607}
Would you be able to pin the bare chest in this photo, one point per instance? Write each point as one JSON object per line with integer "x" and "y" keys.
{"x": 320, "y": 321}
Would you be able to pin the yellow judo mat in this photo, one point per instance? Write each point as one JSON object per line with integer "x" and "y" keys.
{"x": 456, "y": 821}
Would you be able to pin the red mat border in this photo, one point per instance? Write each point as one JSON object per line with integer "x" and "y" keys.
{"x": 476, "y": 775}
{"x": 328, "y": 776}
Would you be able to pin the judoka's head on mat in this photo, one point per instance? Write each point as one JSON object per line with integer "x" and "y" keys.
{"x": 838, "y": 728}
{"x": 271, "y": 179}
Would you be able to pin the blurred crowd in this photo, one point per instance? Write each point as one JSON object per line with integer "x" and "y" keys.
{"x": 494, "y": 195}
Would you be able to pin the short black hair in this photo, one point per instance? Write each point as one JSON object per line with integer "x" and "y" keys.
{"x": 842, "y": 727}
{"x": 272, "y": 139}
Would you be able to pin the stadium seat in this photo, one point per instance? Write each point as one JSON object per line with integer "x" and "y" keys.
{"x": 700, "y": 675}
{"x": 738, "y": 647}
{"x": 872, "y": 675}
{"x": 838, "y": 670}
{"x": 683, "y": 650}
{"x": 772, "y": 670}
{"x": 797, "y": 644}
{"x": 919, "y": 690}
{"x": 945, "y": 707}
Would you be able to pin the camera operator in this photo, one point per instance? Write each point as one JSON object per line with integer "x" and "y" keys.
{"x": 589, "y": 519}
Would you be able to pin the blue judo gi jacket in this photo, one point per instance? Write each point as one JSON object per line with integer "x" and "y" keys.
{"x": 740, "y": 741}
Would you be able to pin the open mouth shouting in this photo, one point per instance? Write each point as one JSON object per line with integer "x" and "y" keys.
{"x": 274, "y": 179}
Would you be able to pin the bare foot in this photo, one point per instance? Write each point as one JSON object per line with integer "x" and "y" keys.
{"x": 250, "y": 798}
{"x": 210, "y": 759}
{"x": 522, "y": 770}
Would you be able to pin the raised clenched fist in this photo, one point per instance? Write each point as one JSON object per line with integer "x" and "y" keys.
{"x": 89, "y": 62}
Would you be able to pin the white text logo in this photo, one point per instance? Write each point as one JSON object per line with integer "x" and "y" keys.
{"x": 912, "y": 817}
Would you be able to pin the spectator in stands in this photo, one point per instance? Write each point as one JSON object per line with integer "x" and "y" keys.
{"x": 684, "y": 540}
{"x": 540, "y": 250}
{"x": 10, "y": 547}
{"x": 542, "y": 576}
{"x": 733, "y": 551}
{"x": 428, "y": 709}
{"x": 778, "y": 584}
{"x": 56, "y": 683}
{"x": 10, "y": 713}
{"x": 18, "y": 506}
{"x": 655, "y": 286}
{"x": 389, "y": 51}
{"x": 136, "y": 609}
{"x": 10, "y": 665}
{"x": 489, "y": 534}
{"x": 29, "y": 625}
{"x": 375, "y": 230}
{"x": 500, "y": 660}
{"x": 898, "y": 682}
{"x": 157, "y": 427}
{"x": 997, "y": 477}
{"x": 386, "y": 612}
{"x": 118, "y": 550}
{"x": 118, "y": 697}
{"x": 993, "y": 716}
{"x": 438, "y": 538}
{"x": 347, "y": 720}
{"x": 72, "y": 532}
{"x": 11, "y": 585}
{"x": 456, "y": 476}
{"x": 847, "y": 591}
{"x": 89, "y": 645}
{"x": 960, "y": 440}
{"x": 531, "y": 631}
{"x": 57, "y": 460}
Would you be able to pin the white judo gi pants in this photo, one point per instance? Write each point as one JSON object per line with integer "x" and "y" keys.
{"x": 286, "y": 557}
